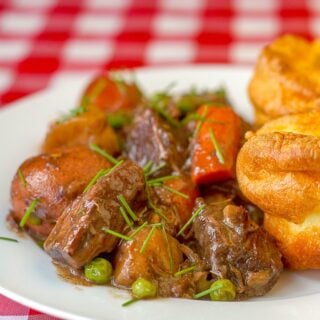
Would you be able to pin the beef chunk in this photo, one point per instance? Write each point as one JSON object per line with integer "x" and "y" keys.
{"x": 150, "y": 138}
{"x": 238, "y": 249}
{"x": 77, "y": 236}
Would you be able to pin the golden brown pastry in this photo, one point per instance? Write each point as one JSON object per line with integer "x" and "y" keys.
{"x": 278, "y": 169}
{"x": 299, "y": 243}
{"x": 286, "y": 78}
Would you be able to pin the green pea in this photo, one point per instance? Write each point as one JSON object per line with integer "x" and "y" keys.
{"x": 99, "y": 270}
{"x": 143, "y": 288}
{"x": 117, "y": 120}
{"x": 222, "y": 290}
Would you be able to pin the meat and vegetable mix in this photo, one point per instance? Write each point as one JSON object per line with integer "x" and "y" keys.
{"x": 140, "y": 193}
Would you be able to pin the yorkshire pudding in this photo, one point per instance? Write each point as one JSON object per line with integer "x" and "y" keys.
{"x": 286, "y": 78}
{"x": 280, "y": 173}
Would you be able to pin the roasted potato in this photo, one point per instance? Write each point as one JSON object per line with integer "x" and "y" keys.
{"x": 82, "y": 129}
{"x": 56, "y": 179}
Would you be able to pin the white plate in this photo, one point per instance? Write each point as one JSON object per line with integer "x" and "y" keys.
{"x": 26, "y": 273}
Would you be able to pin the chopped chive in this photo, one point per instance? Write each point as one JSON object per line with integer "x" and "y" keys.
{"x": 205, "y": 292}
{"x": 115, "y": 167}
{"x": 154, "y": 207}
{"x": 164, "y": 232}
{"x": 156, "y": 169}
{"x": 22, "y": 178}
{"x": 190, "y": 220}
{"x": 28, "y": 212}
{"x": 73, "y": 113}
{"x": 157, "y": 210}
{"x": 184, "y": 271}
{"x": 127, "y": 303}
{"x": 116, "y": 234}
{"x": 8, "y": 239}
{"x": 158, "y": 224}
{"x": 125, "y": 217}
{"x": 167, "y": 116}
{"x": 135, "y": 232}
{"x": 118, "y": 119}
{"x": 162, "y": 179}
{"x": 147, "y": 239}
{"x": 216, "y": 146}
{"x": 127, "y": 207}
{"x": 85, "y": 101}
{"x": 103, "y": 153}
{"x": 147, "y": 167}
{"x": 199, "y": 124}
{"x": 99, "y": 174}
{"x": 183, "y": 195}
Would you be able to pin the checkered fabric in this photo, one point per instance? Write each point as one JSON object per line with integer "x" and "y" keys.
{"x": 42, "y": 41}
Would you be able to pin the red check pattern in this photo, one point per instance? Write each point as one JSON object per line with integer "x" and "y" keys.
{"x": 42, "y": 41}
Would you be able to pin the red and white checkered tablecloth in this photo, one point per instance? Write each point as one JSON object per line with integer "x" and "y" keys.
{"x": 42, "y": 41}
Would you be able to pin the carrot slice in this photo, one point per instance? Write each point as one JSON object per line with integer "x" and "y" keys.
{"x": 111, "y": 95}
{"x": 216, "y": 146}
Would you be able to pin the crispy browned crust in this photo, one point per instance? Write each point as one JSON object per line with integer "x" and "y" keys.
{"x": 286, "y": 79}
{"x": 307, "y": 123}
{"x": 280, "y": 172}
{"x": 299, "y": 243}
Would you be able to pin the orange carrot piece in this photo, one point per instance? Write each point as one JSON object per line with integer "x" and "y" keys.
{"x": 111, "y": 95}
{"x": 216, "y": 146}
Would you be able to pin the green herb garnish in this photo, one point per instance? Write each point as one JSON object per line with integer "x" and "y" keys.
{"x": 28, "y": 212}
{"x": 184, "y": 271}
{"x": 103, "y": 153}
{"x": 8, "y": 239}
{"x": 85, "y": 102}
{"x": 116, "y": 234}
{"x": 216, "y": 146}
{"x": 206, "y": 292}
{"x": 147, "y": 239}
{"x": 200, "y": 122}
{"x": 152, "y": 171}
{"x": 22, "y": 178}
{"x": 147, "y": 168}
{"x": 160, "y": 101}
{"x": 125, "y": 217}
{"x": 181, "y": 194}
{"x": 127, "y": 303}
{"x": 72, "y": 113}
{"x": 127, "y": 207}
{"x": 190, "y": 220}
{"x": 160, "y": 180}
{"x": 136, "y": 231}
{"x": 164, "y": 232}
{"x": 99, "y": 174}
{"x": 117, "y": 120}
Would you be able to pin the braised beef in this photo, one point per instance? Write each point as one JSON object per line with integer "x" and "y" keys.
{"x": 77, "y": 236}
{"x": 151, "y": 138}
{"x": 236, "y": 248}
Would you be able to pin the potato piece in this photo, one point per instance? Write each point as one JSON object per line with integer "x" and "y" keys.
{"x": 88, "y": 127}
{"x": 154, "y": 262}
{"x": 56, "y": 179}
